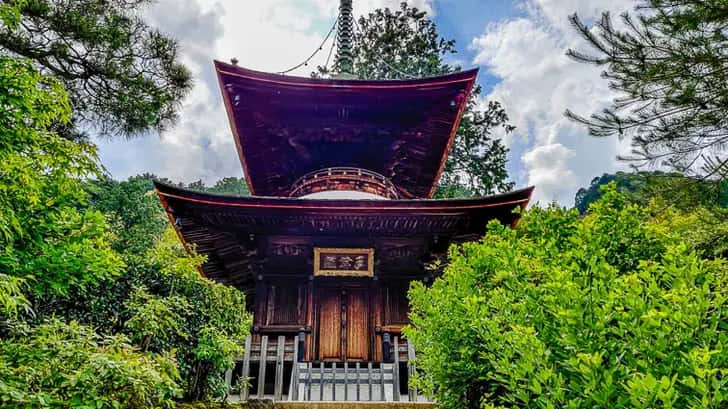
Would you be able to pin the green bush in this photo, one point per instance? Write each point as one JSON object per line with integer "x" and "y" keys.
{"x": 612, "y": 310}
{"x": 58, "y": 365}
{"x": 159, "y": 301}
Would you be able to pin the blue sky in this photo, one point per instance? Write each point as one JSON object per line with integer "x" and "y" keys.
{"x": 518, "y": 45}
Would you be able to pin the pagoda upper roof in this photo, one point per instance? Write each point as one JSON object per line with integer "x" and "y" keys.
{"x": 286, "y": 127}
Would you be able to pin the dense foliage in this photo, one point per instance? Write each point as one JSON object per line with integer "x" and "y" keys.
{"x": 616, "y": 309}
{"x": 625, "y": 183}
{"x": 680, "y": 191}
{"x": 160, "y": 301}
{"x": 669, "y": 64}
{"x": 44, "y": 231}
{"x": 404, "y": 43}
{"x": 695, "y": 206}
{"x": 90, "y": 318}
{"x": 52, "y": 245}
{"x": 69, "y": 365}
{"x": 123, "y": 77}
{"x": 230, "y": 186}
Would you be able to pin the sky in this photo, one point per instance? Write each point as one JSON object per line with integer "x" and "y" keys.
{"x": 519, "y": 46}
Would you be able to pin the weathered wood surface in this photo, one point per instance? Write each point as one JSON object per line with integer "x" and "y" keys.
{"x": 357, "y": 325}
{"x": 244, "y": 389}
{"x": 330, "y": 323}
{"x": 262, "y": 366}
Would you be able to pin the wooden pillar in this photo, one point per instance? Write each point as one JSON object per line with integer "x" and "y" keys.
{"x": 261, "y": 300}
{"x": 310, "y": 320}
{"x": 378, "y": 317}
{"x": 300, "y": 347}
{"x": 386, "y": 347}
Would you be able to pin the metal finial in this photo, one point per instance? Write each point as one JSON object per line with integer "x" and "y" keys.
{"x": 345, "y": 39}
{"x": 234, "y": 61}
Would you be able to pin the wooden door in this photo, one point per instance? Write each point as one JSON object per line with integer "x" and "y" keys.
{"x": 357, "y": 325}
{"x": 343, "y": 324}
{"x": 330, "y": 324}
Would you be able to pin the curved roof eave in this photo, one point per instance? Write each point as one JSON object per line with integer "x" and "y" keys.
{"x": 235, "y": 70}
{"x": 516, "y": 197}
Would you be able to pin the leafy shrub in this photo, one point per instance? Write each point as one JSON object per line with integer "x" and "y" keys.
{"x": 45, "y": 232}
{"x": 155, "y": 318}
{"x": 12, "y": 299}
{"x": 51, "y": 245}
{"x": 68, "y": 365}
{"x": 60, "y": 258}
{"x": 608, "y": 311}
{"x": 216, "y": 322}
{"x": 160, "y": 300}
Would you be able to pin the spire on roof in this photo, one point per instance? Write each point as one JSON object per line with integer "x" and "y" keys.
{"x": 345, "y": 40}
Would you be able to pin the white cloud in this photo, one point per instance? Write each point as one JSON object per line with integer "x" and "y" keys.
{"x": 537, "y": 82}
{"x": 270, "y": 35}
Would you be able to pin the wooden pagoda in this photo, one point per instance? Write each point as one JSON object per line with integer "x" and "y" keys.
{"x": 340, "y": 221}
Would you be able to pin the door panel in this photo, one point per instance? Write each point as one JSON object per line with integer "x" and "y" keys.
{"x": 357, "y": 325}
{"x": 329, "y": 331}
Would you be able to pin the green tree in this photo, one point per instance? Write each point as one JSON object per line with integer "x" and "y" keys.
{"x": 51, "y": 246}
{"x": 46, "y": 235}
{"x": 615, "y": 309}
{"x": 404, "y": 43}
{"x": 123, "y": 77}
{"x": 132, "y": 209}
{"x": 590, "y": 194}
{"x": 230, "y": 186}
{"x": 669, "y": 66}
{"x": 160, "y": 301}
{"x": 216, "y": 322}
{"x": 641, "y": 187}
{"x": 60, "y": 259}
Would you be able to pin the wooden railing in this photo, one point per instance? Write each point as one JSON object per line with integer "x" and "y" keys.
{"x": 344, "y": 178}
{"x": 360, "y": 381}
{"x": 347, "y": 381}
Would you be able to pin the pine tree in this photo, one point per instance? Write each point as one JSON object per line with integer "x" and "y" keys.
{"x": 123, "y": 77}
{"x": 669, "y": 65}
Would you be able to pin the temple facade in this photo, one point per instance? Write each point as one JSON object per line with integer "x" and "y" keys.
{"x": 340, "y": 220}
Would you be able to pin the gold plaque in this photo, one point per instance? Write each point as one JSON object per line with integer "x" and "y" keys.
{"x": 343, "y": 262}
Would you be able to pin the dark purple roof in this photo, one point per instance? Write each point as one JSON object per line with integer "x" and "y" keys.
{"x": 285, "y": 127}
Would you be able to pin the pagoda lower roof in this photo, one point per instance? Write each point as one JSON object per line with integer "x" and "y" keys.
{"x": 285, "y": 127}
{"x": 236, "y": 233}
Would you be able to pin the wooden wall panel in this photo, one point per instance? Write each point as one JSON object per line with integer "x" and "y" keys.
{"x": 261, "y": 299}
{"x": 286, "y": 305}
{"x": 329, "y": 321}
{"x": 357, "y": 325}
{"x": 397, "y": 305}
{"x": 310, "y": 320}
